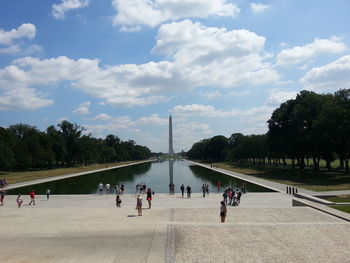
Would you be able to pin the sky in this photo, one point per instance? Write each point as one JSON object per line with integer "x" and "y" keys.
{"x": 123, "y": 66}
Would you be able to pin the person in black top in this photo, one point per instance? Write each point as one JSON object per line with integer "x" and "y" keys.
{"x": 188, "y": 188}
{"x": 182, "y": 190}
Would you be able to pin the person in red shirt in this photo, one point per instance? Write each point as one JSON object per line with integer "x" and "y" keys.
{"x": 32, "y": 197}
{"x": 219, "y": 185}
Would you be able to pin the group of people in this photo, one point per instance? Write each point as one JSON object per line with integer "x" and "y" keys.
{"x": 188, "y": 190}
{"x": 232, "y": 197}
{"x": 141, "y": 188}
{"x": 118, "y": 190}
{"x": 3, "y": 183}
{"x": 19, "y": 199}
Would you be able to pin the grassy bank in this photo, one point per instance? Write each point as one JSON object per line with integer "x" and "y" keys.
{"x": 344, "y": 208}
{"x": 308, "y": 179}
{"x": 17, "y": 177}
{"x": 339, "y": 199}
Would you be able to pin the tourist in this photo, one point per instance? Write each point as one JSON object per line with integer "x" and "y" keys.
{"x": 149, "y": 197}
{"x": 182, "y": 188}
{"x": 223, "y": 212}
{"x": 4, "y": 182}
{"x": 188, "y": 188}
{"x": 48, "y": 194}
{"x": 32, "y": 197}
{"x": 239, "y": 194}
{"x": 139, "y": 204}
{"x": 230, "y": 196}
{"x": 137, "y": 189}
{"x": 218, "y": 185}
{"x": 207, "y": 189}
{"x": 100, "y": 188}
{"x": 224, "y": 195}
{"x": 122, "y": 189}
{"x": 108, "y": 187}
{"x": 144, "y": 188}
{"x": 2, "y": 196}
{"x": 118, "y": 201}
{"x": 19, "y": 201}
{"x": 203, "y": 189}
{"x": 117, "y": 189}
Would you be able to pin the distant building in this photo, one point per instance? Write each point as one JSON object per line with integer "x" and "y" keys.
{"x": 171, "y": 149}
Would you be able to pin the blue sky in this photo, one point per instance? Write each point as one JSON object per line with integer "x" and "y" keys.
{"x": 123, "y": 66}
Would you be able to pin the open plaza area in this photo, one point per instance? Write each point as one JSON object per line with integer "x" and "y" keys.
{"x": 89, "y": 228}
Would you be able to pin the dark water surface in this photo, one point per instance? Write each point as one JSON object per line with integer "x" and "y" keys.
{"x": 156, "y": 175}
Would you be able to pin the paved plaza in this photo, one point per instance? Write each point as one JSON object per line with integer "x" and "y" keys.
{"x": 89, "y": 228}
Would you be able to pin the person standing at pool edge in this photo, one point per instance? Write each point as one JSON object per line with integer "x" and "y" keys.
{"x": 149, "y": 197}
{"x": 48, "y": 194}
{"x": 139, "y": 204}
{"x": 182, "y": 188}
{"x": 188, "y": 188}
{"x": 32, "y": 197}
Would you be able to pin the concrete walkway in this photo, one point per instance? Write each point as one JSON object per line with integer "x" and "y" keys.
{"x": 89, "y": 228}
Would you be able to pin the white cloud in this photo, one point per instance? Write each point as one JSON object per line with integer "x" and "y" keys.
{"x": 153, "y": 119}
{"x": 26, "y": 30}
{"x": 276, "y": 96}
{"x": 330, "y": 77}
{"x": 259, "y": 8}
{"x": 133, "y": 14}
{"x": 211, "y": 95}
{"x": 102, "y": 117}
{"x": 59, "y": 10}
{"x": 198, "y": 56}
{"x": 83, "y": 108}
{"x": 13, "y": 49}
{"x": 203, "y": 111}
{"x": 302, "y": 53}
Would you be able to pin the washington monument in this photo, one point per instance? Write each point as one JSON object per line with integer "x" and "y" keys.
{"x": 171, "y": 149}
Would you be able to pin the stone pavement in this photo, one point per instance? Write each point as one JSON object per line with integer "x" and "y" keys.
{"x": 89, "y": 228}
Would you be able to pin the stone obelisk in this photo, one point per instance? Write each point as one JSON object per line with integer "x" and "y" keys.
{"x": 171, "y": 149}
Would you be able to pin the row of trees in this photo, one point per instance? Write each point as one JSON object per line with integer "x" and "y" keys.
{"x": 311, "y": 126}
{"x": 25, "y": 147}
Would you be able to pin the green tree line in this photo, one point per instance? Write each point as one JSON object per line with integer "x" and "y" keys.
{"x": 310, "y": 127}
{"x": 25, "y": 147}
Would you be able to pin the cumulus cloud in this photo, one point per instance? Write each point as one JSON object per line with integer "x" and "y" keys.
{"x": 203, "y": 111}
{"x": 153, "y": 119}
{"x": 59, "y": 10}
{"x": 102, "y": 117}
{"x": 330, "y": 77}
{"x": 197, "y": 56}
{"x": 277, "y": 96}
{"x": 24, "y": 31}
{"x": 259, "y": 8}
{"x": 83, "y": 108}
{"x": 299, "y": 54}
{"x": 133, "y": 14}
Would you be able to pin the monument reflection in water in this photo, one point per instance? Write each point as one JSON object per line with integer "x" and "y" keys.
{"x": 156, "y": 175}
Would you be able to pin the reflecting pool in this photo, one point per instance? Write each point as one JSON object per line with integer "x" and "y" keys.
{"x": 157, "y": 175}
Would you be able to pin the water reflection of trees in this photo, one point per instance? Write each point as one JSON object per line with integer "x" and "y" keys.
{"x": 213, "y": 177}
{"x": 88, "y": 183}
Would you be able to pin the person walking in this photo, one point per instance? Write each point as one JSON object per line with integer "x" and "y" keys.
{"x": 182, "y": 188}
{"x": 122, "y": 189}
{"x": 118, "y": 201}
{"x": 48, "y": 194}
{"x": 100, "y": 188}
{"x": 203, "y": 189}
{"x": 188, "y": 188}
{"x": 223, "y": 212}
{"x": 149, "y": 197}
{"x": 2, "y": 196}
{"x": 139, "y": 204}
{"x": 32, "y": 197}
{"x": 19, "y": 201}
{"x": 224, "y": 195}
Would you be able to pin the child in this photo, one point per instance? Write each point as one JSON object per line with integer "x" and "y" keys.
{"x": 223, "y": 211}
{"x": 118, "y": 201}
{"x": 19, "y": 201}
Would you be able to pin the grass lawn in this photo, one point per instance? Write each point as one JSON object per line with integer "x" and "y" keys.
{"x": 339, "y": 199}
{"x": 344, "y": 208}
{"x": 17, "y": 177}
{"x": 308, "y": 179}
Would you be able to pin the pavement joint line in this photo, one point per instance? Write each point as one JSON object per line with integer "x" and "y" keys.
{"x": 170, "y": 245}
{"x": 258, "y": 224}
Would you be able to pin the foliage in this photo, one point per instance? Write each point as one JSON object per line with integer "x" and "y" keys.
{"x": 24, "y": 147}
